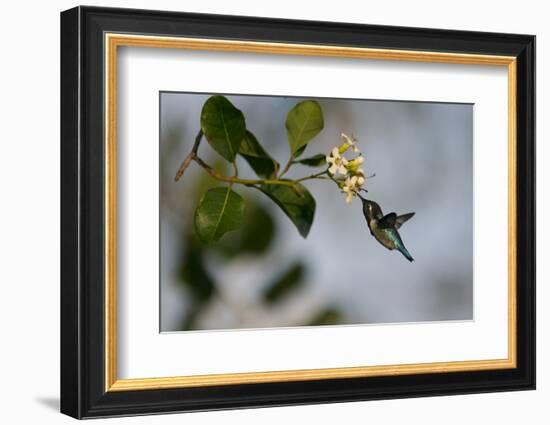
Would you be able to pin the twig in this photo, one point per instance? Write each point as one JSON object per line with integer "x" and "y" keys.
{"x": 313, "y": 176}
{"x": 333, "y": 179}
{"x": 248, "y": 182}
{"x": 189, "y": 157}
{"x": 287, "y": 166}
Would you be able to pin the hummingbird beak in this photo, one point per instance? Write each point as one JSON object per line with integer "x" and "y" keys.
{"x": 363, "y": 199}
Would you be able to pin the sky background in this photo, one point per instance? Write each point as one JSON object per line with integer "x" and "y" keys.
{"x": 422, "y": 155}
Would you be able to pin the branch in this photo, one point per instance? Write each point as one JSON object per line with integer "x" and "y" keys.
{"x": 313, "y": 176}
{"x": 189, "y": 157}
{"x": 287, "y": 166}
{"x": 228, "y": 179}
{"x": 193, "y": 156}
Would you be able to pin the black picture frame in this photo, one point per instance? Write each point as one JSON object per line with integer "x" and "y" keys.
{"x": 82, "y": 214}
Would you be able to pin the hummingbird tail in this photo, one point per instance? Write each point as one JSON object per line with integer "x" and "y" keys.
{"x": 405, "y": 253}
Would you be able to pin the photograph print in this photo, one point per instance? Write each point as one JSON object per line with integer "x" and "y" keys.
{"x": 288, "y": 212}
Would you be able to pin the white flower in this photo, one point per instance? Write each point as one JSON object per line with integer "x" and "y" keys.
{"x": 348, "y": 142}
{"x": 352, "y": 185}
{"x": 337, "y": 163}
{"x": 360, "y": 177}
{"x": 351, "y": 188}
{"x": 353, "y": 176}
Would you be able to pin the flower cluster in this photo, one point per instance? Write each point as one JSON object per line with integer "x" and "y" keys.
{"x": 347, "y": 173}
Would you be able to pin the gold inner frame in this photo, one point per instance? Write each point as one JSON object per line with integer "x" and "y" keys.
{"x": 113, "y": 41}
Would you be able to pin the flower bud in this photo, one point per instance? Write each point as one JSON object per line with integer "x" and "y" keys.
{"x": 354, "y": 164}
{"x": 347, "y": 143}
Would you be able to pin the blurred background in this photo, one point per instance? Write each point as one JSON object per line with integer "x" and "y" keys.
{"x": 266, "y": 275}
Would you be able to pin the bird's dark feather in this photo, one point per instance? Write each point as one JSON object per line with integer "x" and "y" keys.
{"x": 388, "y": 221}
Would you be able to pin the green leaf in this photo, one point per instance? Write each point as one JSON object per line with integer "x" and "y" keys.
{"x": 194, "y": 274}
{"x": 314, "y": 161}
{"x": 296, "y": 202}
{"x": 299, "y": 151}
{"x": 223, "y": 126}
{"x": 284, "y": 284}
{"x": 254, "y": 237}
{"x": 220, "y": 211}
{"x": 256, "y": 156}
{"x": 303, "y": 123}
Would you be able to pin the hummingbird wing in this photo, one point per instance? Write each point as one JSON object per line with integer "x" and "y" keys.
{"x": 402, "y": 219}
{"x": 392, "y": 220}
{"x": 388, "y": 221}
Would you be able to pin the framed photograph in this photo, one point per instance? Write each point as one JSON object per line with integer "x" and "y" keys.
{"x": 261, "y": 212}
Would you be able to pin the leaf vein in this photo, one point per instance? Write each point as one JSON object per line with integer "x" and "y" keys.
{"x": 228, "y": 191}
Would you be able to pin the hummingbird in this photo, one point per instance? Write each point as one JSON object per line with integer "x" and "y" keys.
{"x": 384, "y": 227}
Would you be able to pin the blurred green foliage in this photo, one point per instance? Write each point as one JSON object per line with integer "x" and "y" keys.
{"x": 254, "y": 238}
{"x": 285, "y": 284}
{"x": 329, "y": 316}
